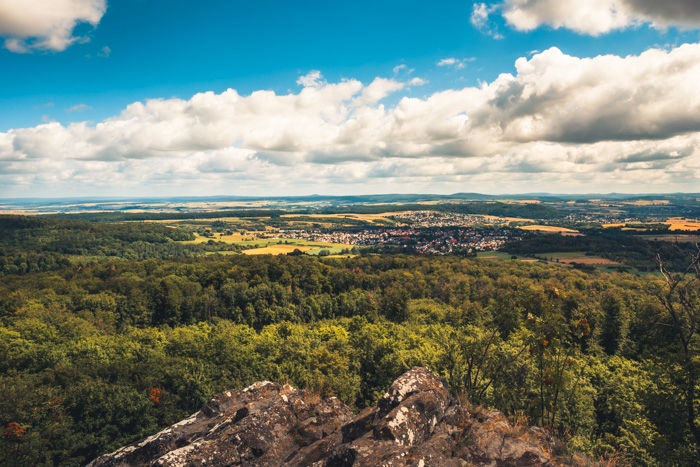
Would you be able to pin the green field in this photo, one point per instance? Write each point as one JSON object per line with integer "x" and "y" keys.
{"x": 494, "y": 255}
{"x": 309, "y": 247}
{"x": 562, "y": 258}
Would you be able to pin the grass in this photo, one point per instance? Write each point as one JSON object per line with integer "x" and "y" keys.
{"x": 563, "y": 258}
{"x": 576, "y": 257}
{"x": 273, "y": 246}
{"x": 277, "y": 246}
{"x": 493, "y": 255}
{"x": 332, "y": 219}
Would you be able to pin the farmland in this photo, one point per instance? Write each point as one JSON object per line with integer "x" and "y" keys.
{"x": 567, "y": 258}
{"x": 672, "y": 224}
{"x": 550, "y": 229}
{"x": 277, "y": 250}
{"x": 261, "y": 243}
{"x": 577, "y": 257}
{"x": 683, "y": 224}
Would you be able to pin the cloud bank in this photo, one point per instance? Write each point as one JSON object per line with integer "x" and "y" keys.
{"x": 29, "y": 25}
{"x": 560, "y": 123}
{"x": 592, "y": 17}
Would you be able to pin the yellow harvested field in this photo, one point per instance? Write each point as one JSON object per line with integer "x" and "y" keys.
{"x": 548, "y": 228}
{"x": 647, "y": 202}
{"x": 675, "y": 223}
{"x": 276, "y": 250}
{"x": 361, "y": 217}
{"x": 239, "y": 220}
{"x": 683, "y": 224}
{"x": 22, "y": 212}
{"x": 230, "y": 220}
{"x": 384, "y": 215}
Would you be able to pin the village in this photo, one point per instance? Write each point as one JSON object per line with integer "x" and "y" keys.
{"x": 435, "y": 240}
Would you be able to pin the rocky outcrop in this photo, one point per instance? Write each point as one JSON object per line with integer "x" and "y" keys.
{"x": 416, "y": 423}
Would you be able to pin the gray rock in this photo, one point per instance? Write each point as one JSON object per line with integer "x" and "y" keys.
{"x": 416, "y": 423}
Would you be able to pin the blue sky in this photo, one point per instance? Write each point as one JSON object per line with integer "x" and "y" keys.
{"x": 392, "y": 87}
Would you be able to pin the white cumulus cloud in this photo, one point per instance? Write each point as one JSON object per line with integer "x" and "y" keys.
{"x": 30, "y": 25}
{"x": 456, "y": 63}
{"x": 312, "y": 79}
{"x": 566, "y": 123}
{"x": 593, "y": 17}
{"x": 480, "y": 15}
{"x": 418, "y": 82}
{"x": 480, "y": 19}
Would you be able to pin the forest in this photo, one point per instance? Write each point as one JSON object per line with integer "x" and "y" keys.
{"x": 98, "y": 353}
{"x": 628, "y": 248}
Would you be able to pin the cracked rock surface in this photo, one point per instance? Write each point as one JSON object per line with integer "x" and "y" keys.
{"x": 416, "y": 423}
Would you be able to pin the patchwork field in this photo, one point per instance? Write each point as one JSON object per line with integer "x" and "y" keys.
{"x": 370, "y": 218}
{"x": 383, "y": 218}
{"x": 550, "y": 229}
{"x": 273, "y": 246}
{"x": 647, "y": 202}
{"x": 277, "y": 250}
{"x": 683, "y": 224}
{"x": 277, "y": 246}
{"x": 577, "y": 257}
{"x": 235, "y": 238}
{"x": 561, "y": 258}
{"x": 675, "y": 223}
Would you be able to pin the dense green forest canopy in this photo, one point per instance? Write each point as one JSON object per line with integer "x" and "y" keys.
{"x": 111, "y": 331}
{"x": 627, "y": 248}
{"x": 29, "y": 244}
{"x": 101, "y": 355}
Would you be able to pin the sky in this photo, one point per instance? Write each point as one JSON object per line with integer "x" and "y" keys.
{"x": 129, "y": 98}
